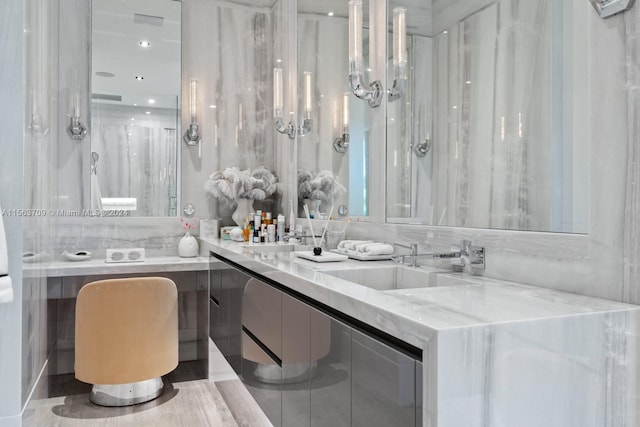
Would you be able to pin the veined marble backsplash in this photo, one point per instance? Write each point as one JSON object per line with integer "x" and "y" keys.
{"x": 158, "y": 236}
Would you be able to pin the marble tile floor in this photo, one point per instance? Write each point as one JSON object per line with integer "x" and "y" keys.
{"x": 221, "y": 401}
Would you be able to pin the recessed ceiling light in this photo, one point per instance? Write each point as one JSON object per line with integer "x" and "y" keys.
{"x": 152, "y": 101}
{"x": 147, "y": 112}
{"x": 278, "y": 60}
{"x": 133, "y": 118}
{"x": 104, "y": 74}
{"x": 135, "y": 105}
{"x": 330, "y": 14}
{"x": 212, "y": 106}
{"x": 139, "y": 77}
{"x": 144, "y": 43}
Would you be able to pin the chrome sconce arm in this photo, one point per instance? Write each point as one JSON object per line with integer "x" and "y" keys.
{"x": 291, "y": 130}
{"x": 341, "y": 144}
{"x": 422, "y": 148}
{"x": 397, "y": 90}
{"x": 607, "y": 8}
{"x": 372, "y": 94}
{"x": 191, "y": 135}
{"x": 76, "y": 129}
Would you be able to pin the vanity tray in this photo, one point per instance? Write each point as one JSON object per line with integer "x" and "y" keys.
{"x": 324, "y": 257}
{"x": 363, "y": 257}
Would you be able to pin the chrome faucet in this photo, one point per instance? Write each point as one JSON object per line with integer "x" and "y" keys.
{"x": 414, "y": 254}
{"x": 472, "y": 256}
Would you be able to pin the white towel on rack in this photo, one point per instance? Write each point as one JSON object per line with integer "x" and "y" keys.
{"x": 6, "y": 291}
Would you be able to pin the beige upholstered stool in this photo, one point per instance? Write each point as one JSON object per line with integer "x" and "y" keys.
{"x": 126, "y": 338}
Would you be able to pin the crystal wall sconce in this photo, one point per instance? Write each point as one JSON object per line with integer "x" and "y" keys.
{"x": 76, "y": 129}
{"x": 374, "y": 92}
{"x": 191, "y": 135}
{"x": 291, "y": 129}
{"x": 342, "y": 144}
{"x": 399, "y": 54}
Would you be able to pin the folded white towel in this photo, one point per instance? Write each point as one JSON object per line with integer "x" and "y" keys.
{"x": 379, "y": 249}
{"x": 350, "y": 245}
{"x": 6, "y": 291}
{"x": 362, "y": 246}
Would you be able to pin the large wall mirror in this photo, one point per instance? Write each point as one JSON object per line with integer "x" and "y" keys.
{"x": 333, "y": 166}
{"x": 135, "y": 85}
{"x": 492, "y": 129}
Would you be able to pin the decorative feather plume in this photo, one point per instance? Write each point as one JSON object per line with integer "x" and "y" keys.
{"x": 322, "y": 185}
{"x": 232, "y": 184}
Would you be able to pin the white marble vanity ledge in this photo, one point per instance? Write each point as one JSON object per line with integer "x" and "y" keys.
{"x": 413, "y": 315}
{"x": 97, "y": 266}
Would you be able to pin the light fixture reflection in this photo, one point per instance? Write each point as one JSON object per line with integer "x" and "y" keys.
{"x": 191, "y": 135}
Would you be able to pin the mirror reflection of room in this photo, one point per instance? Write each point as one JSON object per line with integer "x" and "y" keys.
{"x": 136, "y": 85}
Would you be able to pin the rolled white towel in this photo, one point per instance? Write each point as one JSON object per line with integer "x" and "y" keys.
{"x": 6, "y": 291}
{"x": 349, "y": 245}
{"x": 379, "y": 249}
{"x": 362, "y": 246}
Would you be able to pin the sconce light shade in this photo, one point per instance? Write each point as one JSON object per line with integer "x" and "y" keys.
{"x": 191, "y": 135}
{"x": 277, "y": 92}
{"x": 400, "y": 73}
{"x": 341, "y": 144}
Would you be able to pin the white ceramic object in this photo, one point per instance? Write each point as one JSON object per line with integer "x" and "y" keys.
{"x": 31, "y": 257}
{"x": 188, "y": 246}
{"x": 244, "y": 208}
{"x": 76, "y": 256}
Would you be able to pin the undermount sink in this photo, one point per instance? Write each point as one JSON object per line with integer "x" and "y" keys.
{"x": 387, "y": 278}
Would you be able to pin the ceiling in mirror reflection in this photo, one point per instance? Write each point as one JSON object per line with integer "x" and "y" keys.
{"x": 136, "y": 51}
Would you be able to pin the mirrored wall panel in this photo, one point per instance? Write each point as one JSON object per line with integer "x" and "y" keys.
{"x": 333, "y": 165}
{"x": 491, "y": 131}
{"x": 135, "y": 86}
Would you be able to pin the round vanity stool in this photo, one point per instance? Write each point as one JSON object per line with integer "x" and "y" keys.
{"x": 126, "y": 338}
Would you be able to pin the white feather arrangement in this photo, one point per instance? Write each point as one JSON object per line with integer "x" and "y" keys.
{"x": 232, "y": 184}
{"x": 323, "y": 185}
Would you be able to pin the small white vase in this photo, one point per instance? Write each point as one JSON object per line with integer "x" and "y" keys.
{"x": 244, "y": 208}
{"x": 188, "y": 246}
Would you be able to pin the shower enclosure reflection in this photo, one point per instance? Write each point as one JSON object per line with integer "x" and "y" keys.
{"x": 136, "y": 85}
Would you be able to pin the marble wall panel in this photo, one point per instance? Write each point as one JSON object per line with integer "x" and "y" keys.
{"x": 12, "y": 106}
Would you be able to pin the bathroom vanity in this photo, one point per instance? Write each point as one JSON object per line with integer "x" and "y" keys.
{"x": 64, "y": 280}
{"x": 457, "y": 350}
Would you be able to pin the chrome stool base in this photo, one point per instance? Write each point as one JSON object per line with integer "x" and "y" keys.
{"x": 126, "y": 394}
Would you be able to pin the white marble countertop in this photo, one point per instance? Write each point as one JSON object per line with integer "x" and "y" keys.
{"x": 96, "y": 266}
{"x": 415, "y": 315}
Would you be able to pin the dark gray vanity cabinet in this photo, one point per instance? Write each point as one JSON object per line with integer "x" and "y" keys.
{"x": 305, "y": 367}
{"x": 330, "y": 386}
{"x": 383, "y": 384}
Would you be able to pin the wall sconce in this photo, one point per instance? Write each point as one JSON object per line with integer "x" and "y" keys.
{"x": 191, "y": 135}
{"x": 372, "y": 94}
{"x": 342, "y": 144}
{"x": 399, "y": 54}
{"x": 607, "y": 8}
{"x": 291, "y": 129}
{"x": 76, "y": 129}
